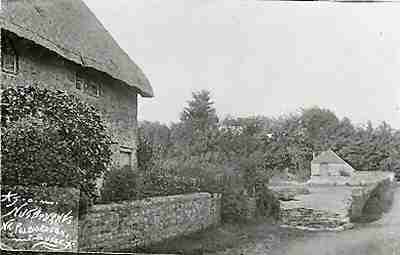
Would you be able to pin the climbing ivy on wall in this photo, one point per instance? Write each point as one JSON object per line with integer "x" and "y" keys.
{"x": 51, "y": 138}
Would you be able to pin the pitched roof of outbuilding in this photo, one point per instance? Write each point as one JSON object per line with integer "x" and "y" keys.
{"x": 328, "y": 156}
{"x": 70, "y": 29}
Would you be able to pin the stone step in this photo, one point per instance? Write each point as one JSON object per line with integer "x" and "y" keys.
{"x": 311, "y": 218}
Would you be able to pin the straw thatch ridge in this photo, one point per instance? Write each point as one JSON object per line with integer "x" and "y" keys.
{"x": 70, "y": 29}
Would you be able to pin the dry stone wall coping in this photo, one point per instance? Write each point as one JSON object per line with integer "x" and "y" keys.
{"x": 154, "y": 201}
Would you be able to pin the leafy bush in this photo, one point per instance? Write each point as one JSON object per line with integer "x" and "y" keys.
{"x": 267, "y": 203}
{"x": 147, "y": 153}
{"x": 161, "y": 182}
{"x": 50, "y": 137}
{"x": 120, "y": 184}
{"x": 391, "y": 164}
{"x": 233, "y": 205}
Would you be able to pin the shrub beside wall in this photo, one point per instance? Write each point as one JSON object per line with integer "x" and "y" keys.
{"x": 127, "y": 185}
{"x": 53, "y": 138}
{"x": 267, "y": 203}
{"x": 234, "y": 205}
{"x": 120, "y": 184}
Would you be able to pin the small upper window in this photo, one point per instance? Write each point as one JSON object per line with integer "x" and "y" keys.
{"x": 93, "y": 89}
{"x": 80, "y": 82}
{"x": 9, "y": 57}
{"x": 86, "y": 85}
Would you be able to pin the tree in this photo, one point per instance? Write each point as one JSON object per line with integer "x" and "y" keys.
{"x": 320, "y": 125}
{"x": 372, "y": 149}
{"x": 148, "y": 153}
{"x": 288, "y": 146}
{"x": 200, "y": 112}
{"x": 197, "y": 130}
{"x": 50, "y": 137}
{"x": 241, "y": 148}
{"x": 240, "y": 137}
{"x": 157, "y": 133}
{"x": 344, "y": 133}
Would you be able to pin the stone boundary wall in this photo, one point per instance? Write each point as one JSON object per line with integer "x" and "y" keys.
{"x": 378, "y": 195}
{"x": 129, "y": 225}
{"x": 312, "y": 219}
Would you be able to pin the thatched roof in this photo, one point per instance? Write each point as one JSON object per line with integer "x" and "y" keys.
{"x": 70, "y": 29}
{"x": 329, "y": 157}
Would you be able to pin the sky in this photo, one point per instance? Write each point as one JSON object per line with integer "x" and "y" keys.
{"x": 260, "y": 57}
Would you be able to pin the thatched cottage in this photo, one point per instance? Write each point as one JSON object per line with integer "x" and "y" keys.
{"x": 329, "y": 164}
{"x": 60, "y": 44}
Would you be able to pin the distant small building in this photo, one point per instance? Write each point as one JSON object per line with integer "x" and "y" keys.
{"x": 328, "y": 163}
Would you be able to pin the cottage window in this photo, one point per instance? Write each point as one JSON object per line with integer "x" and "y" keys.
{"x": 9, "y": 57}
{"x": 93, "y": 89}
{"x": 125, "y": 158}
{"x": 84, "y": 84}
{"x": 80, "y": 81}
